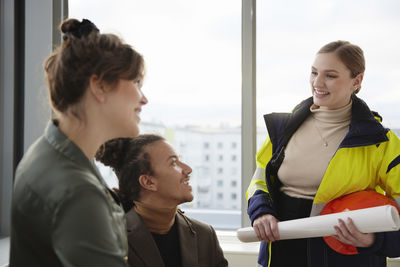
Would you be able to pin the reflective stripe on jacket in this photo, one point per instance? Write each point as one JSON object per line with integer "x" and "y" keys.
{"x": 367, "y": 158}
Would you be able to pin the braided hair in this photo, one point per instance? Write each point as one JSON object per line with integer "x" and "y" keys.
{"x": 129, "y": 159}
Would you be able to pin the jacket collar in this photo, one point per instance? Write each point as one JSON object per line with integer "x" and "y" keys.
{"x": 64, "y": 145}
{"x": 141, "y": 240}
{"x": 60, "y": 142}
{"x": 364, "y": 128}
{"x": 188, "y": 240}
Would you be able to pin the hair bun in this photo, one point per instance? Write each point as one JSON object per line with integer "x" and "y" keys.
{"x": 77, "y": 29}
{"x": 112, "y": 153}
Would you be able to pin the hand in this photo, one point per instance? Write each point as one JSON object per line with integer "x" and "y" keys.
{"x": 266, "y": 228}
{"x": 349, "y": 234}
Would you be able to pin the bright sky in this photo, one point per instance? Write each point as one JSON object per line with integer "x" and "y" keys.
{"x": 291, "y": 32}
{"x": 193, "y": 52}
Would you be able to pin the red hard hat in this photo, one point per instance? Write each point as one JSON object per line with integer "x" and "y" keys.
{"x": 353, "y": 201}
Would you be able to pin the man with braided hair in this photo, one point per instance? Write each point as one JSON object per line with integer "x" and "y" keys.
{"x": 152, "y": 183}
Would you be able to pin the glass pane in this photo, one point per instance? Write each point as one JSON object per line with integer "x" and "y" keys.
{"x": 192, "y": 51}
{"x": 291, "y": 32}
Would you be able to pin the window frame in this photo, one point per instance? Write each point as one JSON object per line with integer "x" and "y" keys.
{"x": 23, "y": 49}
{"x": 59, "y": 10}
{"x": 249, "y": 131}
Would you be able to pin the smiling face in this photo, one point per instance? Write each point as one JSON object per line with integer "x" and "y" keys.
{"x": 170, "y": 175}
{"x": 331, "y": 82}
{"x": 124, "y": 104}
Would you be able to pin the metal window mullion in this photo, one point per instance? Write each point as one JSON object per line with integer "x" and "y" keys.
{"x": 248, "y": 99}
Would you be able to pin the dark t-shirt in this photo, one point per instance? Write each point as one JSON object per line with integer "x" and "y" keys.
{"x": 169, "y": 247}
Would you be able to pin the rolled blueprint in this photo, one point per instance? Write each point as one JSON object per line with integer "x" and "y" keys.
{"x": 369, "y": 220}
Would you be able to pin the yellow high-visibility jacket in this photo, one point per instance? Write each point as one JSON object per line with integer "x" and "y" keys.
{"x": 367, "y": 158}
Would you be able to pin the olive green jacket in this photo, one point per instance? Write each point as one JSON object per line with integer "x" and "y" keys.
{"x": 63, "y": 214}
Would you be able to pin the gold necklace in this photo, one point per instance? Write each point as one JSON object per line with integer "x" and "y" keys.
{"x": 319, "y": 132}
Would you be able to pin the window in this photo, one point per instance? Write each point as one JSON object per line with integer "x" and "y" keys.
{"x": 203, "y": 189}
{"x": 220, "y": 158}
{"x": 233, "y": 145}
{"x": 311, "y": 24}
{"x": 233, "y": 158}
{"x": 220, "y": 183}
{"x": 180, "y": 40}
{"x": 220, "y": 196}
{"x": 204, "y": 172}
{"x": 234, "y": 171}
{"x": 374, "y": 21}
{"x": 233, "y": 196}
{"x": 233, "y": 183}
{"x": 286, "y": 46}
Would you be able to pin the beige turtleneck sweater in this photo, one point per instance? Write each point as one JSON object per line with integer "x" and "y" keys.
{"x": 310, "y": 149}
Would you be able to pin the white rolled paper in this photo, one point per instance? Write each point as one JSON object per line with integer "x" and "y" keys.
{"x": 369, "y": 220}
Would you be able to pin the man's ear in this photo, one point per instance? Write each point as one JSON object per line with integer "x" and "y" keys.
{"x": 97, "y": 88}
{"x": 148, "y": 182}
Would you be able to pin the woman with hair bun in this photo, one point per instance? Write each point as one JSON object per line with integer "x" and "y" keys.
{"x": 63, "y": 214}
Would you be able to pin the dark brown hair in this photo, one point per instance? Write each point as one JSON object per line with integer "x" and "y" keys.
{"x": 129, "y": 159}
{"x": 351, "y": 55}
{"x": 86, "y": 52}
